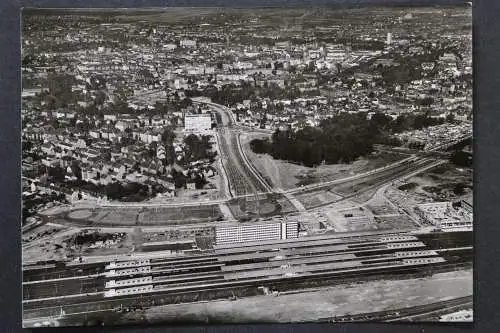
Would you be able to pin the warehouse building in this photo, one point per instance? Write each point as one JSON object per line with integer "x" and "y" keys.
{"x": 445, "y": 215}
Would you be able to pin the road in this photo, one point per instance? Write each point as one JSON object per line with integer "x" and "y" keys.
{"x": 243, "y": 177}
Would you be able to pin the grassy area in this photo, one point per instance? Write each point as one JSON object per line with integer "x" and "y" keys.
{"x": 150, "y": 216}
{"x": 286, "y": 175}
{"x": 172, "y": 215}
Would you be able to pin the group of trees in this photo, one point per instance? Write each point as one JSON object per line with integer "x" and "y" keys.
{"x": 57, "y": 174}
{"x": 230, "y": 94}
{"x": 341, "y": 139}
{"x": 129, "y": 191}
{"x": 30, "y": 204}
{"x": 32, "y": 60}
{"x": 407, "y": 71}
{"x": 180, "y": 180}
{"x": 59, "y": 90}
{"x": 461, "y": 158}
{"x": 407, "y": 122}
{"x": 198, "y": 148}
{"x": 93, "y": 237}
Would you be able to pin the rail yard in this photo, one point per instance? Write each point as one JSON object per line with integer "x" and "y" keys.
{"x": 238, "y": 269}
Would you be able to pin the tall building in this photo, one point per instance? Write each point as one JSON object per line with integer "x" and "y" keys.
{"x": 187, "y": 43}
{"x": 250, "y": 232}
{"x": 389, "y": 38}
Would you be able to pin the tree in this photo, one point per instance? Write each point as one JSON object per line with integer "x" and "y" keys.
{"x": 168, "y": 136}
{"x": 199, "y": 181}
{"x": 56, "y": 174}
{"x": 461, "y": 158}
{"x": 179, "y": 179}
{"x": 169, "y": 155}
{"x": 459, "y": 189}
{"x": 259, "y": 146}
{"x": 27, "y": 145}
{"x": 76, "y": 170}
{"x": 114, "y": 190}
{"x": 381, "y": 121}
{"x": 186, "y": 102}
{"x": 100, "y": 98}
{"x": 60, "y": 88}
{"x": 426, "y": 101}
{"x": 450, "y": 118}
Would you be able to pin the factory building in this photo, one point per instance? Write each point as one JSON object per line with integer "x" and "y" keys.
{"x": 241, "y": 233}
{"x": 445, "y": 215}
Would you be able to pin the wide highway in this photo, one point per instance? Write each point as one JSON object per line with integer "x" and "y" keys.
{"x": 243, "y": 178}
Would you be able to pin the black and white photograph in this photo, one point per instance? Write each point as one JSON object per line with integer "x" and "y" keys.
{"x": 234, "y": 165}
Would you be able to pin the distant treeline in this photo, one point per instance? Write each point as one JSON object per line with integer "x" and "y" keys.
{"x": 341, "y": 139}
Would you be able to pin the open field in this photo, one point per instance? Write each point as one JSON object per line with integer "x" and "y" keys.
{"x": 442, "y": 183}
{"x": 180, "y": 215}
{"x": 361, "y": 220}
{"x": 123, "y": 216}
{"x": 319, "y": 198}
{"x": 394, "y": 222}
{"x": 366, "y": 184}
{"x": 321, "y": 302}
{"x": 286, "y": 175}
{"x": 381, "y": 209}
{"x": 130, "y": 216}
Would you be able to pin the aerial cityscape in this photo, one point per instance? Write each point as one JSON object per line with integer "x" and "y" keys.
{"x": 244, "y": 165}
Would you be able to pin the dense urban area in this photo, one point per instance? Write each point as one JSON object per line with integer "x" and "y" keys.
{"x": 210, "y": 165}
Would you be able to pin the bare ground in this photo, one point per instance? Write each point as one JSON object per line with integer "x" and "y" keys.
{"x": 323, "y": 302}
{"x": 59, "y": 246}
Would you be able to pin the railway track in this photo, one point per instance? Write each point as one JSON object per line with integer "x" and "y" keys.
{"x": 363, "y": 185}
{"x": 201, "y": 293}
{"x": 404, "y": 313}
{"x": 164, "y": 285}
